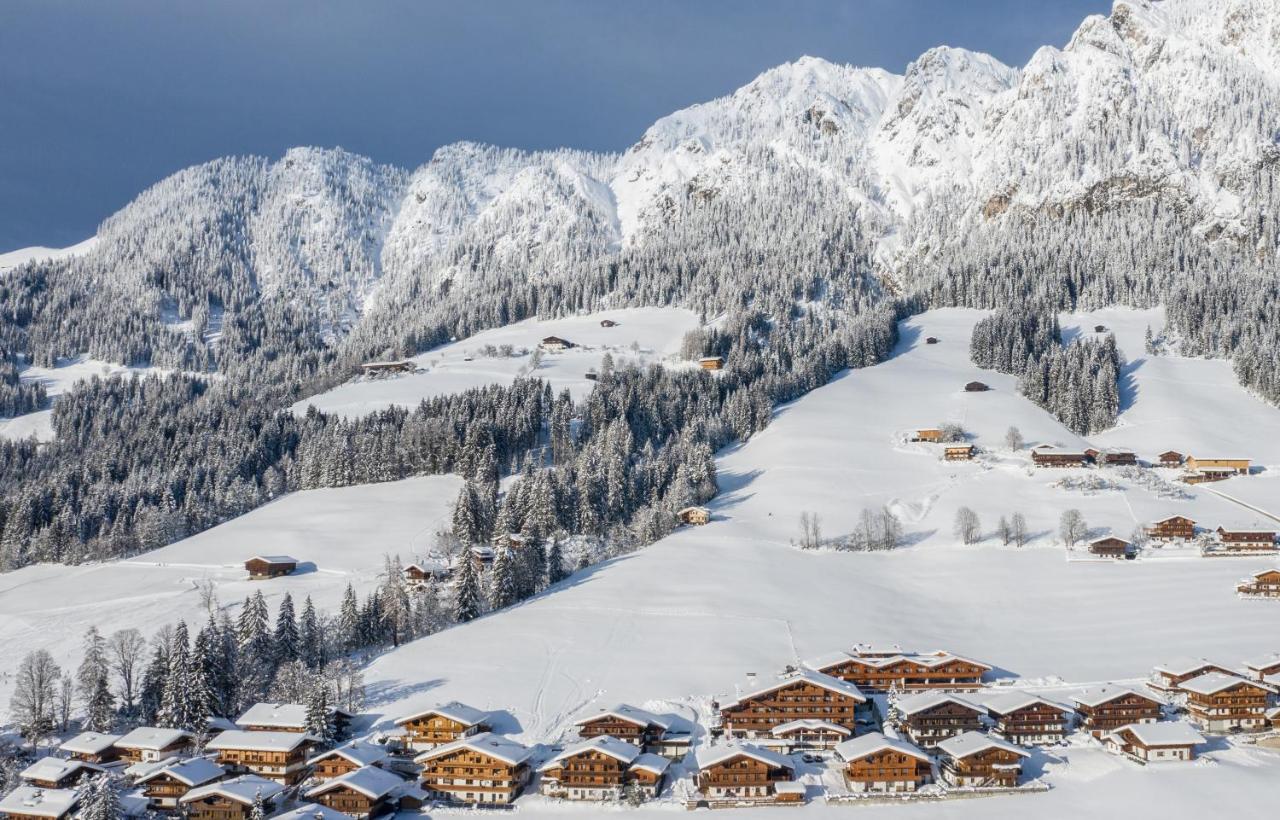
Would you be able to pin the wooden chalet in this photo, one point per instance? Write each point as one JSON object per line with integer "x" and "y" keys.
{"x": 1170, "y": 458}
{"x": 1111, "y": 547}
{"x": 640, "y": 728}
{"x": 741, "y": 772}
{"x": 929, "y": 718}
{"x": 231, "y": 799}
{"x": 931, "y": 340}
{"x": 1238, "y": 466}
{"x": 608, "y": 323}
{"x": 808, "y": 733}
{"x": 929, "y": 434}
{"x": 1264, "y": 584}
{"x": 349, "y": 757}
{"x": 39, "y": 804}
{"x": 362, "y": 793}
{"x": 402, "y": 366}
{"x": 1218, "y": 702}
{"x": 509, "y": 541}
{"x": 711, "y": 362}
{"x": 443, "y": 724}
{"x": 147, "y": 744}
{"x": 262, "y": 567}
{"x": 1105, "y": 708}
{"x": 602, "y": 768}
{"x": 1053, "y": 457}
{"x": 484, "y": 769}
{"x": 1208, "y": 474}
{"x": 1273, "y": 717}
{"x": 92, "y": 747}
{"x": 1263, "y": 667}
{"x": 277, "y": 755}
{"x": 421, "y": 574}
{"x": 958, "y": 452}
{"x": 1119, "y": 458}
{"x": 875, "y": 763}
{"x": 310, "y": 811}
{"x": 696, "y": 516}
{"x": 1154, "y": 742}
{"x": 976, "y": 387}
{"x": 58, "y": 773}
{"x": 288, "y": 717}
{"x": 977, "y": 760}
{"x": 1099, "y": 328}
{"x": 794, "y": 695}
{"x": 1247, "y": 540}
{"x": 165, "y": 787}
{"x": 905, "y": 671}
{"x": 1173, "y": 528}
{"x": 1169, "y": 676}
{"x": 1028, "y": 720}
{"x": 554, "y": 344}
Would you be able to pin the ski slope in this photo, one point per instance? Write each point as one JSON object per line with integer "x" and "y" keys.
{"x": 339, "y": 535}
{"x": 676, "y": 624}
{"x": 642, "y": 335}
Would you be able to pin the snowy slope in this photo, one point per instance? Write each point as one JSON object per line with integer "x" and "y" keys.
{"x": 642, "y": 335}
{"x": 12, "y": 259}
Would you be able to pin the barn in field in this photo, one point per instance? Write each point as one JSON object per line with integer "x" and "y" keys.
{"x": 262, "y": 567}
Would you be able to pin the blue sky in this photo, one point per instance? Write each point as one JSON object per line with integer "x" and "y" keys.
{"x": 100, "y": 99}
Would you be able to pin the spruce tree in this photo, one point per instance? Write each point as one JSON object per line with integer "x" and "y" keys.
{"x": 349, "y": 621}
{"x": 504, "y": 581}
{"x": 285, "y": 642}
{"x": 319, "y": 713}
{"x": 311, "y": 642}
{"x": 100, "y": 713}
{"x": 467, "y": 601}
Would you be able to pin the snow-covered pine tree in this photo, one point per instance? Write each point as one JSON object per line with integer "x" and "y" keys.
{"x": 468, "y": 601}
{"x": 101, "y": 800}
{"x": 285, "y": 641}
{"x": 310, "y": 640}
{"x": 504, "y": 580}
{"x": 320, "y": 713}
{"x": 349, "y": 621}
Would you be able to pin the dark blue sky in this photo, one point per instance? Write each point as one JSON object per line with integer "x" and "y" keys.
{"x": 101, "y": 98}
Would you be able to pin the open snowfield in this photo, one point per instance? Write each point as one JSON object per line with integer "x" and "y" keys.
{"x": 641, "y": 335}
{"x": 679, "y": 622}
{"x": 340, "y": 535}
{"x": 12, "y": 259}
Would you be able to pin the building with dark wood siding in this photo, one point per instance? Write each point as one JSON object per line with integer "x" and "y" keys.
{"x": 741, "y": 772}
{"x": 443, "y": 724}
{"x": 1053, "y": 457}
{"x": 92, "y": 747}
{"x": 166, "y": 787}
{"x": 1111, "y": 547}
{"x": 1169, "y": 676}
{"x": 148, "y": 744}
{"x": 231, "y": 799}
{"x": 34, "y": 803}
{"x": 261, "y": 567}
{"x": 361, "y": 793}
{"x": 484, "y": 769}
{"x": 58, "y": 773}
{"x": 881, "y": 671}
{"x": 602, "y": 768}
{"x": 1247, "y": 540}
{"x": 875, "y": 763}
{"x": 1171, "y": 458}
{"x": 977, "y": 760}
{"x": 349, "y": 757}
{"x": 279, "y": 756}
{"x": 1105, "y": 708}
{"x": 639, "y": 727}
{"x": 1218, "y": 702}
{"x": 931, "y": 717}
{"x": 1264, "y": 584}
{"x": 795, "y": 695}
{"x": 1173, "y": 528}
{"x": 1028, "y": 720}
{"x": 1155, "y": 742}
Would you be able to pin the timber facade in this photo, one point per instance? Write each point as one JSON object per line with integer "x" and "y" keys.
{"x": 1265, "y": 584}
{"x": 799, "y": 696}
{"x": 1109, "y": 708}
{"x": 903, "y": 671}
{"x": 1173, "y": 528}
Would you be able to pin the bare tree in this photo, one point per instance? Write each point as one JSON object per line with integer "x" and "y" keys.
{"x": 1072, "y": 527}
{"x": 1018, "y": 529}
{"x": 35, "y": 690}
{"x": 65, "y": 700}
{"x": 1004, "y": 531}
{"x": 810, "y": 530}
{"x": 967, "y": 527}
{"x": 1013, "y": 439}
{"x": 126, "y": 650}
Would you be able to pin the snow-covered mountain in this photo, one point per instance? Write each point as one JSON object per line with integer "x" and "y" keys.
{"x": 1164, "y": 105}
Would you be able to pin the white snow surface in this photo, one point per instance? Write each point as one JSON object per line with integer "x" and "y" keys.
{"x": 12, "y": 259}
{"x": 642, "y": 335}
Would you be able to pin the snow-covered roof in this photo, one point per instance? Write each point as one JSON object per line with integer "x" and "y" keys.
{"x": 809, "y": 723}
{"x": 708, "y": 756}
{"x": 37, "y": 802}
{"x": 1185, "y": 666}
{"x": 1263, "y": 572}
{"x": 1211, "y": 683}
{"x": 487, "y": 743}
{"x": 243, "y": 790}
{"x": 283, "y": 715}
{"x": 152, "y": 738}
{"x": 195, "y": 771}
{"x": 89, "y": 743}
{"x": 914, "y": 704}
{"x": 359, "y": 752}
{"x": 827, "y": 660}
{"x": 54, "y": 769}
{"x": 1264, "y": 661}
{"x": 145, "y": 768}
{"x": 878, "y": 657}
{"x": 1099, "y": 695}
{"x": 684, "y": 510}
{"x": 628, "y": 714}
{"x": 971, "y": 743}
{"x": 311, "y": 811}
{"x": 1008, "y": 702}
{"x": 134, "y": 805}
{"x": 1163, "y": 733}
{"x": 619, "y": 750}
{"x": 259, "y": 741}
{"x": 789, "y": 787}
{"x": 275, "y": 559}
{"x": 869, "y": 744}
{"x": 453, "y": 710}
{"x": 651, "y": 763}
{"x": 755, "y": 689}
{"x": 371, "y": 781}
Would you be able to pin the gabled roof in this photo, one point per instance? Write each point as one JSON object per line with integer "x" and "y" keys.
{"x": 274, "y": 559}
{"x": 453, "y": 710}
{"x": 1099, "y": 695}
{"x": 1263, "y": 572}
{"x": 651, "y": 763}
{"x": 195, "y": 771}
{"x": 1185, "y": 666}
{"x": 146, "y": 768}
{"x": 1211, "y": 683}
{"x": 89, "y": 743}
{"x": 708, "y": 756}
{"x": 799, "y": 676}
{"x": 359, "y": 752}
{"x": 1172, "y": 517}
{"x": 152, "y": 738}
{"x": 486, "y": 743}
{"x": 971, "y": 743}
{"x": 876, "y": 657}
{"x": 869, "y": 744}
{"x": 55, "y": 768}
{"x": 1264, "y": 661}
{"x": 243, "y": 790}
{"x": 827, "y": 660}
{"x": 259, "y": 741}
{"x": 627, "y": 714}
{"x": 619, "y": 750}
{"x": 808, "y": 723}
{"x": 1164, "y": 733}
{"x": 311, "y": 811}
{"x": 33, "y": 801}
{"x": 284, "y": 715}
{"x": 1008, "y": 702}
{"x": 371, "y": 781}
{"x": 914, "y": 704}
